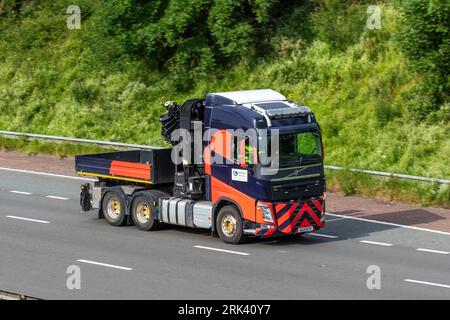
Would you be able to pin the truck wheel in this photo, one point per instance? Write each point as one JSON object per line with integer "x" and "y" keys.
{"x": 229, "y": 225}
{"x": 113, "y": 207}
{"x": 144, "y": 212}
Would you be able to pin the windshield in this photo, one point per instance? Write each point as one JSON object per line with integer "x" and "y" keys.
{"x": 298, "y": 146}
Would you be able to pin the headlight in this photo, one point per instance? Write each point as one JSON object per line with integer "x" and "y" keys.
{"x": 266, "y": 212}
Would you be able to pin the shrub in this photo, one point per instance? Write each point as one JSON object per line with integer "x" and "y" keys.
{"x": 425, "y": 40}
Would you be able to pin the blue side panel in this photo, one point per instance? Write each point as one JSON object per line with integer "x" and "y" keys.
{"x": 207, "y": 188}
{"x": 297, "y": 128}
{"x": 92, "y": 165}
{"x": 226, "y": 117}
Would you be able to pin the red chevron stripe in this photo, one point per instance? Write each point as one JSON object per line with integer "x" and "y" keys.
{"x": 313, "y": 215}
{"x": 289, "y": 228}
{"x": 270, "y": 232}
{"x": 280, "y": 207}
{"x": 288, "y": 214}
{"x": 318, "y": 204}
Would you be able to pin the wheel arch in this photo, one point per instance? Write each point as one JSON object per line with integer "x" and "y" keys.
{"x": 222, "y": 202}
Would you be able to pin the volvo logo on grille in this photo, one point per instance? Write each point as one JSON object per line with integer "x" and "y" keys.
{"x": 296, "y": 172}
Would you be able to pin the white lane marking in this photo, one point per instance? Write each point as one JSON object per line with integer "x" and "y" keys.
{"x": 21, "y": 192}
{"x": 57, "y": 198}
{"x": 104, "y": 264}
{"x": 390, "y": 224}
{"x": 432, "y": 251}
{"x": 377, "y": 243}
{"x": 46, "y": 174}
{"x": 428, "y": 283}
{"x": 323, "y": 235}
{"x": 335, "y": 219}
{"x": 222, "y": 250}
{"x": 27, "y": 219}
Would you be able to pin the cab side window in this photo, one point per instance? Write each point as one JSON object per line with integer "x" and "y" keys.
{"x": 235, "y": 148}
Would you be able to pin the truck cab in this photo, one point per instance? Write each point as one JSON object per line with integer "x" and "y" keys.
{"x": 256, "y": 171}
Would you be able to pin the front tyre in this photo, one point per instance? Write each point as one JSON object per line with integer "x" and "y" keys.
{"x": 229, "y": 225}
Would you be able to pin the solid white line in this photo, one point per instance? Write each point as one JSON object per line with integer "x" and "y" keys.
{"x": 336, "y": 219}
{"x": 377, "y": 243}
{"x": 390, "y": 224}
{"x": 27, "y": 219}
{"x": 104, "y": 264}
{"x": 323, "y": 235}
{"x": 432, "y": 251}
{"x": 46, "y": 174}
{"x": 21, "y": 192}
{"x": 222, "y": 250}
{"x": 57, "y": 198}
{"x": 428, "y": 283}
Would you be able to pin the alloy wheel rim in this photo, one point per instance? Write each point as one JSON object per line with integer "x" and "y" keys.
{"x": 143, "y": 212}
{"x": 229, "y": 225}
{"x": 113, "y": 208}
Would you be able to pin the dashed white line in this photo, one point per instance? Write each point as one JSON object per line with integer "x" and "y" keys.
{"x": 57, "y": 198}
{"x": 428, "y": 283}
{"x": 222, "y": 250}
{"x": 323, "y": 235}
{"x": 46, "y": 174}
{"x": 28, "y": 219}
{"x": 389, "y": 224}
{"x": 21, "y": 192}
{"x": 432, "y": 251}
{"x": 104, "y": 264}
{"x": 377, "y": 243}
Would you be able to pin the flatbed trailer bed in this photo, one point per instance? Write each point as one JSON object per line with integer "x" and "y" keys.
{"x": 137, "y": 166}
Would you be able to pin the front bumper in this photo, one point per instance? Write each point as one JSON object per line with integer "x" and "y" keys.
{"x": 293, "y": 218}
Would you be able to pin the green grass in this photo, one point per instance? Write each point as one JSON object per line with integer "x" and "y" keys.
{"x": 61, "y": 150}
{"x": 388, "y": 189}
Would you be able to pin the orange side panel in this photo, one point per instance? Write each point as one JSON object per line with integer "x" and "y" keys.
{"x": 220, "y": 190}
{"x": 207, "y": 160}
{"x": 130, "y": 170}
{"x": 221, "y": 144}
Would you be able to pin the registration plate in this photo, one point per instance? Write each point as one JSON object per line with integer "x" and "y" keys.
{"x": 305, "y": 229}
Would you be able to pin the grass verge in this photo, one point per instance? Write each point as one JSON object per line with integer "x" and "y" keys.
{"x": 61, "y": 150}
{"x": 388, "y": 189}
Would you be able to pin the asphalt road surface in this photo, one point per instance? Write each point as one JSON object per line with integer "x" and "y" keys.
{"x": 43, "y": 233}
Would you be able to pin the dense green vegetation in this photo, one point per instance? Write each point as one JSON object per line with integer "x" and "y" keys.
{"x": 381, "y": 95}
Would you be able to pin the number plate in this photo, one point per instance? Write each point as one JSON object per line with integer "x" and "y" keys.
{"x": 305, "y": 229}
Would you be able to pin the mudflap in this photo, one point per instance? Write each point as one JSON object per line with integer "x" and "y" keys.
{"x": 85, "y": 197}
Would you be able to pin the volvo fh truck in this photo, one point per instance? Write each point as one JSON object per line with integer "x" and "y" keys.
{"x": 222, "y": 179}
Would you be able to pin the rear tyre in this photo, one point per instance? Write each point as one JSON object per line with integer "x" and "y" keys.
{"x": 229, "y": 225}
{"x": 144, "y": 211}
{"x": 113, "y": 208}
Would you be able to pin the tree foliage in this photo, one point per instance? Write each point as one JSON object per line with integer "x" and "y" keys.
{"x": 190, "y": 37}
{"x": 426, "y": 41}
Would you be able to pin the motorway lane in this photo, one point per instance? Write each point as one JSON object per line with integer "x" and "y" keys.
{"x": 165, "y": 264}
